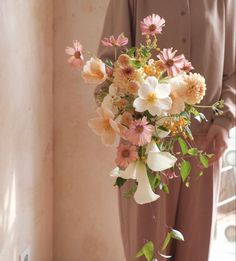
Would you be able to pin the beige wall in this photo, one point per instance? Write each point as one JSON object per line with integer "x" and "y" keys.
{"x": 86, "y": 215}
{"x": 25, "y": 129}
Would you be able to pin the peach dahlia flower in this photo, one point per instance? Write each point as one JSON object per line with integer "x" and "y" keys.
{"x": 195, "y": 88}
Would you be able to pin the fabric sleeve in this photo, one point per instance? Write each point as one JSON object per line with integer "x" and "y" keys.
{"x": 227, "y": 120}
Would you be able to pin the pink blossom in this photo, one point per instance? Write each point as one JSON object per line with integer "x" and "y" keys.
{"x": 172, "y": 63}
{"x": 111, "y": 41}
{"x": 152, "y": 25}
{"x": 139, "y": 132}
{"x": 126, "y": 153}
{"x": 76, "y": 59}
{"x": 187, "y": 66}
{"x": 170, "y": 174}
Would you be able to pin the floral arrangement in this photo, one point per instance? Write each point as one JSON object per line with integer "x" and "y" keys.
{"x": 146, "y": 99}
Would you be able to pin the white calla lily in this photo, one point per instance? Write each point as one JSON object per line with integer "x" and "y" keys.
{"x": 144, "y": 193}
{"x": 137, "y": 170}
{"x": 130, "y": 172}
{"x": 157, "y": 160}
{"x": 116, "y": 172}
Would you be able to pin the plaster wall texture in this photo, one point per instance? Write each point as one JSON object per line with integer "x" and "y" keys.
{"x": 26, "y": 129}
{"x": 86, "y": 219}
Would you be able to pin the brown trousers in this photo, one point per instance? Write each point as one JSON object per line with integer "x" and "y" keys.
{"x": 192, "y": 211}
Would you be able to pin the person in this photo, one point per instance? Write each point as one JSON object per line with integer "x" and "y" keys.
{"x": 205, "y": 32}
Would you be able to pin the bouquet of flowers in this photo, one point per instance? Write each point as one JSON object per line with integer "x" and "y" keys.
{"x": 146, "y": 99}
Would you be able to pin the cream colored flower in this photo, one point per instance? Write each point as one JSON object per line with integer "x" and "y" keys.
{"x": 195, "y": 88}
{"x": 177, "y": 95}
{"x": 153, "y": 97}
{"x": 109, "y": 100}
{"x": 105, "y": 126}
{"x": 94, "y": 71}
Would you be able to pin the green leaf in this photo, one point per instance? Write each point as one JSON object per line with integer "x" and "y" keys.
{"x": 131, "y": 191}
{"x": 166, "y": 241}
{"x": 136, "y": 63}
{"x": 120, "y": 182}
{"x": 154, "y": 180}
{"x": 204, "y": 160}
{"x": 194, "y": 111}
{"x": 175, "y": 234}
{"x": 144, "y": 51}
{"x": 193, "y": 151}
{"x": 183, "y": 146}
{"x": 162, "y": 128}
{"x": 165, "y": 188}
{"x": 185, "y": 169}
{"x": 131, "y": 51}
{"x": 147, "y": 251}
{"x": 109, "y": 62}
{"x": 185, "y": 115}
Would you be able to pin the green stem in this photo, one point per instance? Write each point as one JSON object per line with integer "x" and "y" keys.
{"x": 201, "y": 106}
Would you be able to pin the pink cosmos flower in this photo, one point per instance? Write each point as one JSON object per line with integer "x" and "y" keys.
{"x": 76, "y": 60}
{"x": 139, "y": 132}
{"x": 187, "y": 66}
{"x": 172, "y": 63}
{"x": 111, "y": 41}
{"x": 152, "y": 25}
{"x": 126, "y": 154}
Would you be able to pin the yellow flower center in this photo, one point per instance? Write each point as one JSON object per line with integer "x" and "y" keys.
{"x": 152, "y": 98}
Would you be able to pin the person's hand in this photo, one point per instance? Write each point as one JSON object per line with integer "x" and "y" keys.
{"x": 216, "y": 142}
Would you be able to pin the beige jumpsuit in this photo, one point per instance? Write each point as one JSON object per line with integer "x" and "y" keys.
{"x": 205, "y": 32}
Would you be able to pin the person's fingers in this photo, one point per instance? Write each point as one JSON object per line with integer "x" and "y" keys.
{"x": 220, "y": 148}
